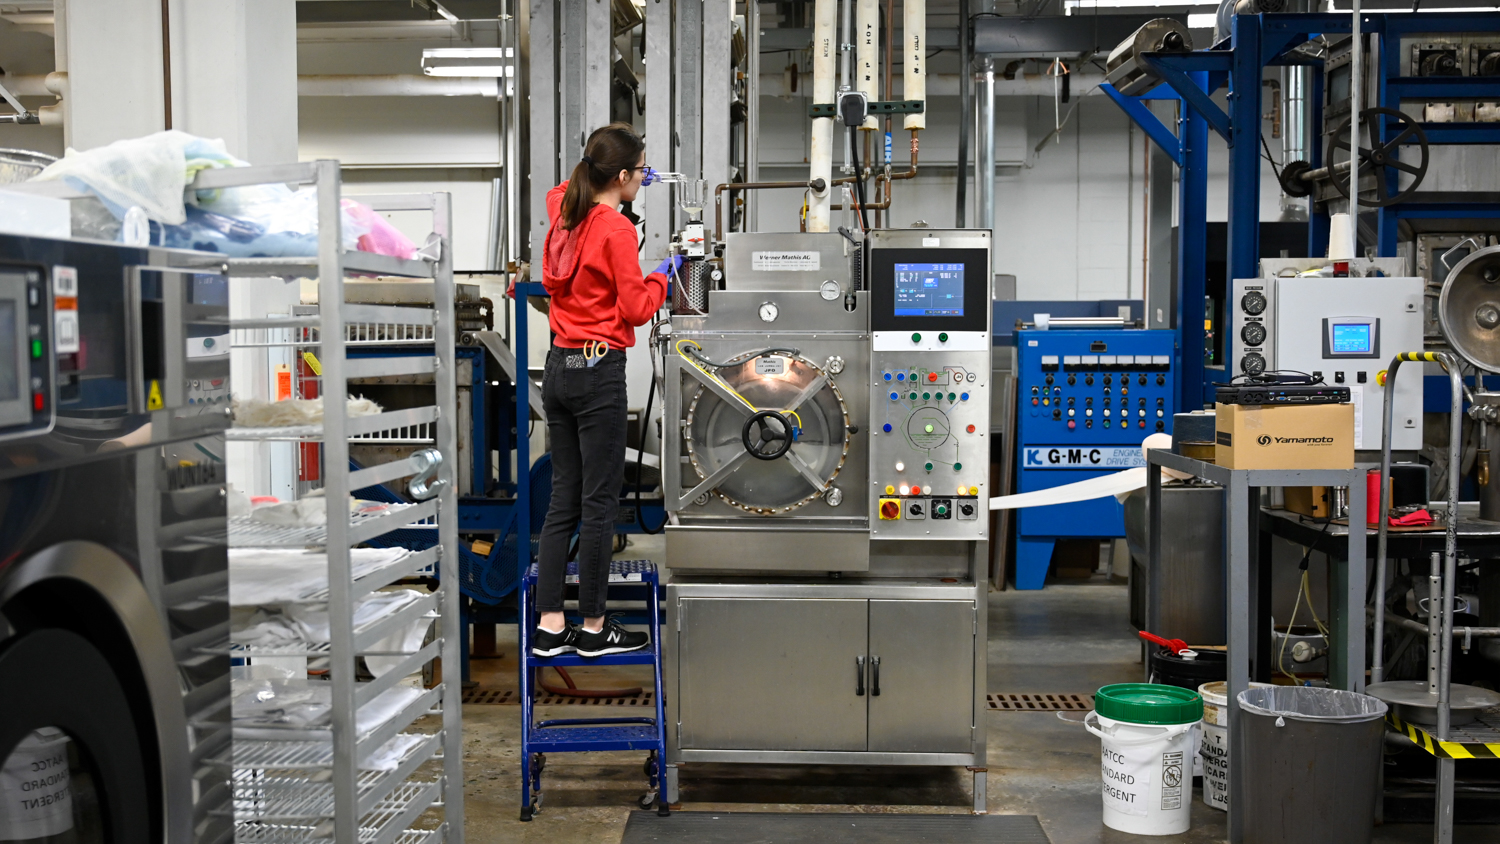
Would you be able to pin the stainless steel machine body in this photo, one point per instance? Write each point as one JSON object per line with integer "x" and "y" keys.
{"x": 113, "y": 572}
{"x": 826, "y": 606}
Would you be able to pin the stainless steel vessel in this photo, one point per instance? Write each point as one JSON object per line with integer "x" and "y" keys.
{"x": 114, "y": 674}
{"x": 826, "y": 466}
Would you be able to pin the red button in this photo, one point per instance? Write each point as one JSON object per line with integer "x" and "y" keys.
{"x": 1072, "y": 424}
{"x": 1033, "y": 402}
{"x": 932, "y": 376}
{"x": 1142, "y": 423}
{"x": 37, "y": 402}
{"x": 971, "y": 429}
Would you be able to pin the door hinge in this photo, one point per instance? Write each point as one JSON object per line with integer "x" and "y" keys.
{"x": 678, "y": 620}
{"x": 975, "y": 617}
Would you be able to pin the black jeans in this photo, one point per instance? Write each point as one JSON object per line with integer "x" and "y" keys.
{"x": 586, "y": 413}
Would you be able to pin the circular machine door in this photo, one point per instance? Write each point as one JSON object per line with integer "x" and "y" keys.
{"x": 73, "y": 769}
{"x": 717, "y": 432}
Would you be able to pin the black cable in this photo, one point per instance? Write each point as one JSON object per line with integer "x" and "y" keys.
{"x": 640, "y": 457}
{"x": 859, "y": 178}
{"x": 1267, "y": 147}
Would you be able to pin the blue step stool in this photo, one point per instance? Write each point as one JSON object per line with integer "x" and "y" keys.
{"x": 630, "y": 580}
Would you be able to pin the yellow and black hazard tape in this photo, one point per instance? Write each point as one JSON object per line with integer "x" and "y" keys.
{"x": 1444, "y": 749}
{"x": 1430, "y": 357}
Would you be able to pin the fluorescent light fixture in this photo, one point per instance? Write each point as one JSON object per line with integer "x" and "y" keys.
{"x": 1074, "y": 6}
{"x": 467, "y": 61}
{"x": 1206, "y": 20}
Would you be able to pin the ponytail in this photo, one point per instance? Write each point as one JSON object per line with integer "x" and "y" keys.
{"x": 610, "y": 149}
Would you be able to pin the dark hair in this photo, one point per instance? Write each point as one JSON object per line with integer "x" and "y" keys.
{"x": 609, "y": 150}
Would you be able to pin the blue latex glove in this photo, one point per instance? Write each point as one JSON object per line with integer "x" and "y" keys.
{"x": 670, "y": 266}
{"x": 649, "y": 176}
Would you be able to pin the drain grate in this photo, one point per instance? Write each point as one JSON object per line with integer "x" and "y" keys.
{"x": 510, "y": 697}
{"x": 1040, "y": 702}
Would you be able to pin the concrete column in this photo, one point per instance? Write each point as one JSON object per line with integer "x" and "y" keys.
{"x": 113, "y": 51}
{"x": 235, "y": 75}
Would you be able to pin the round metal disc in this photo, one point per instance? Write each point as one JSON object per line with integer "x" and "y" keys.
{"x": 1469, "y": 308}
{"x": 714, "y": 435}
{"x": 1414, "y": 704}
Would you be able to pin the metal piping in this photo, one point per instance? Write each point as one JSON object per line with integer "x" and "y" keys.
{"x": 811, "y": 184}
{"x": 984, "y": 172}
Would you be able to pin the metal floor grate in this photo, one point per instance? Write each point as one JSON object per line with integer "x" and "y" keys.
{"x": 511, "y": 697}
{"x": 1040, "y": 702}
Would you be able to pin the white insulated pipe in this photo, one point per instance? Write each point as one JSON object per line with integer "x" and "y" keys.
{"x": 321, "y": 85}
{"x": 914, "y": 58}
{"x": 867, "y": 54}
{"x": 820, "y": 155}
{"x": 946, "y": 85}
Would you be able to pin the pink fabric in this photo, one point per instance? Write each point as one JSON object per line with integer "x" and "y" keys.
{"x": 383, "y": 238}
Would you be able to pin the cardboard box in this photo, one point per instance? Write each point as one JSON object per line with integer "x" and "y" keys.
{"x": 1311, "y": 436}
{"x": 1308, "y": 500}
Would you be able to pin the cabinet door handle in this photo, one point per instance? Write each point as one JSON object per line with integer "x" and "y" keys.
{"x": 859, "y": 676}
{"x": 874, "y": 676}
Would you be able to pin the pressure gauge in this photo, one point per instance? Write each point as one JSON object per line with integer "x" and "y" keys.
{"x": 1253, "y": 334}
{"x": 1253, "y": 364}
{"x": 1253, "y": 303}
{"x": 829, "y": 290}
{"x": 769, "y": 312}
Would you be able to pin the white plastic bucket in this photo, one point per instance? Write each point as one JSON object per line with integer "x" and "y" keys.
{"x": 1214, "y": 750}
{"x": 1147, "y": 771}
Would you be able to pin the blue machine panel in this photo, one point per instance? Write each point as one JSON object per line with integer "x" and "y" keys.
{"x": 1086, "y": 401}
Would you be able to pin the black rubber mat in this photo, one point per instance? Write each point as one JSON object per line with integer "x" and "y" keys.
{"x": 783, "y": 828}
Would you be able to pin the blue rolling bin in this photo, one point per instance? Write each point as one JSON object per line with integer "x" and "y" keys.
{"x": 1086, "y": 399}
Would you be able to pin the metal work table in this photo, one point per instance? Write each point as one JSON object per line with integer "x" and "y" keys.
{"x": 1479, "y": 538}
{"x": 1247, "y": 560}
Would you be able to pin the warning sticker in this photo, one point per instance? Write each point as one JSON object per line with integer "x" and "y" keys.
{"x": 786, "y": 261}
{"x": 1081, "y": 457}
{"x": 1171, "y": 780}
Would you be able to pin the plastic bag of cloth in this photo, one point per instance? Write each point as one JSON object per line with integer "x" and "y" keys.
{"x": 150, "y": 172}
{"x": 1309, "y": 703}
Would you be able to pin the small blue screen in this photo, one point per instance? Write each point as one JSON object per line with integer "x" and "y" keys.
{"x": 1351, "y": 339}
{"x": 929, "y": 290}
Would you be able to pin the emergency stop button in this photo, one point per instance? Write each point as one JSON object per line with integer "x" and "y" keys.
{"x": 932, "y": 376}
{"x": 890, "y": 509}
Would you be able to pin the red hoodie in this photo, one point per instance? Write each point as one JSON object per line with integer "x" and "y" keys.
{"x": 594, "y": 278}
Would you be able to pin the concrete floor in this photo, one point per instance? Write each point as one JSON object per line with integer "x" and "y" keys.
{"x": 1069, "y": 638}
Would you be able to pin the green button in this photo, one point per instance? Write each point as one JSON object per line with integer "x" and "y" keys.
{"x": 925, "y": 397}
{"x": 929, "y": 467}
{"x": 942, "y": 510}
{"x": 915, "y": 337}
{"x": 957, "y": 467}
{"x": 943, "y": 338}
{"x": 929, "y": 429}
{"x": 952, "y": 396}
{"x": 913, "y": 396}
{"x": 36, "y": 348}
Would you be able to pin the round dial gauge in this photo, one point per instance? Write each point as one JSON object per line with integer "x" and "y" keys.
{"x": 829, "y": 290}
{"x": 1253, "y": 303}
{"x": 1253, "y": 334}
{"x": 769, "y": 312}
{"x": 1253, "y": 364}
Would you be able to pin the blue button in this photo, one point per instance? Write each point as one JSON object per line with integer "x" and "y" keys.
{"x": 895, "y": 396}
{"x": 887, "y": 427}
{"x": 901, "y": 376}
{"x": 887, "y": 376}
{"x": 963, "y": 396}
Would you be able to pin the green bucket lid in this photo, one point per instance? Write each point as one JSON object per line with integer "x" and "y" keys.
{"x": 1149, "y": 703}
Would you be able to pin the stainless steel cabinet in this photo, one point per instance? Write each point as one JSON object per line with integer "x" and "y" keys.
{"x": 801, "y": 674}
{"x": 772, "y": 674}
{"x": 926, "y": 699}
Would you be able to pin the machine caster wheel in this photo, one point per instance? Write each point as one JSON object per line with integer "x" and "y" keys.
{"x": 646, "y": 800}
{"x": 649, "y": 768}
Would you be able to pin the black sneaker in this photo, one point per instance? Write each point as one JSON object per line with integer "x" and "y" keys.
{"x": 547, "y": 643}
{"x": 613, "y": 639}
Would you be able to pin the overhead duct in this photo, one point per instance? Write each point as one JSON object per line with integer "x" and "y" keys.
{"x": 820, "y": 154}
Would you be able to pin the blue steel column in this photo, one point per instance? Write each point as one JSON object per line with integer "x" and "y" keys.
{"x": 1244, "y": 153}
{"x": 1387, "y": 223}
{"x": 523, "y": 442}
{"x": 1317, "y": 220}
{"x": 1192, "y": 254}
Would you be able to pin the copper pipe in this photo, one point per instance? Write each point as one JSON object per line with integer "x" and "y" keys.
{"x": 815, "y": 184}
{"x": 885, "y": 203}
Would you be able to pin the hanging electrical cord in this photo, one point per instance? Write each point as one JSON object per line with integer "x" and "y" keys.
{"x": 1304, "y": 588}
{"x": 859, "y": 179}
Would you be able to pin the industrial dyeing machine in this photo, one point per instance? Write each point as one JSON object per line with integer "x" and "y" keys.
{"x": 825, "y": 462}
{"x": 114, "y": 679}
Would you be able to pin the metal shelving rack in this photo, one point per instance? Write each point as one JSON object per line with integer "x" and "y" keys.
{"x": 301, "y": 788}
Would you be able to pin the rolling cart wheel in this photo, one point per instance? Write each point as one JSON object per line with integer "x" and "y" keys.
{"x": 650, "y": 767}
{"x": 646, "y": 800}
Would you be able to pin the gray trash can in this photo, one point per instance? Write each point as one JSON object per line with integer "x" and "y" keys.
{"x": 1312, "y": 765}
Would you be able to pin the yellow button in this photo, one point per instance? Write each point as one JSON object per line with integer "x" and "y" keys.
{"x": 973, "y": 490}
{"x": 890, "y": 490}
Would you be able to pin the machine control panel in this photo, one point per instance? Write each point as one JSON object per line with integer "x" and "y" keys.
{"x": 1343, "y": 331}
{"x": 28, "y": 350}
{"x": 930, "y": 374}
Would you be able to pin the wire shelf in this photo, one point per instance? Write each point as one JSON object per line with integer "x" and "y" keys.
{"x": 269, "y": 755}
{"x": 305, "y": 332}
{"x": 261, "y": 795}
{"x": 401, "y": 807}
{"x": 245, "y": 532}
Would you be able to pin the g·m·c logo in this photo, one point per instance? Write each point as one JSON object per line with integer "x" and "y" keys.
{"x": 1264, "y": 439}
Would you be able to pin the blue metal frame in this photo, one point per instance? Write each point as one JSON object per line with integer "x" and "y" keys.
{"x": 1256, "y": 42}
{"x": 582, "y": 735}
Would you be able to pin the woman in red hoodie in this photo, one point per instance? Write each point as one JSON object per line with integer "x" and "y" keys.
{"x": 590, "y": 268}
